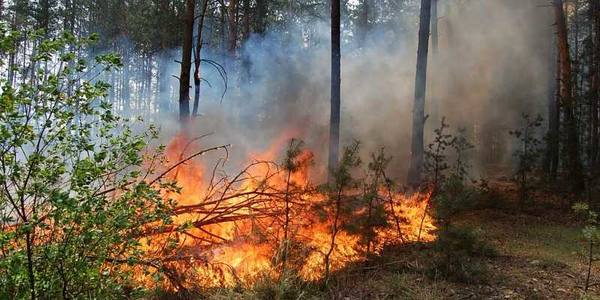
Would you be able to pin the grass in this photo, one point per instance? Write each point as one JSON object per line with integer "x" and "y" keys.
{"x": 527, "y": 236}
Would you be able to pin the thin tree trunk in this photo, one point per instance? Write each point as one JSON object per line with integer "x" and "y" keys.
{"x": 186, "y": 62}
{"x": 197, "y": 59}
{"x": 246, "y": 63}
{"x": 334, "y": 232}
{"x": 261, "y": 15}
{"x": 434, "y": 48}
{"x": 286, "y": 224}
{"x": 126, "y": 93}
{"x": 223, "y": 28}
{"x": 246, "y": 33}
{"x": 417, "y": 147}
{"x": 551, "y": 157}
{"x": 164, "y": 95}
{"x": 595, "y": 81}
{"x": 568, "y": 102}
{"x": 232, "y": 10}
{"x": 334, "y": 122}
{"x": 363, "y": 22}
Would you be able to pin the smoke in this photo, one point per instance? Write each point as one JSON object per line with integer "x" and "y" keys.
{"x": 492, "y": 65}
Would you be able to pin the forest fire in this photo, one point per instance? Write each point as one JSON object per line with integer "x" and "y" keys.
{"x": 269, "y": 219}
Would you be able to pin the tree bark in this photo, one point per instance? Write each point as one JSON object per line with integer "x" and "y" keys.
{"x": 232, "y": 14}
{"x": 595, "y": 82}
{"x": 246, "y": 63}
{"x": 246, "y": 32}
{"x": 164, "y": 94}
{"x": 435, "y": 105}
{"x": 551, "y": 156}
{"x": 568, "y": 101}
{"x": 186, "y": 62}
{"x": 125, "y": 91}
{"x": 261, "y": 16}
{"x": 197, "y": 59}
{"x": 417, "y": 147}
{"x": 363, "y": 22}
{"x": 334, "y": 121}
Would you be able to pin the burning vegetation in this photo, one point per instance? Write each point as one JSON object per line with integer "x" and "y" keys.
{"x": 92, "y": 208}
{"x": 270, "y": 219}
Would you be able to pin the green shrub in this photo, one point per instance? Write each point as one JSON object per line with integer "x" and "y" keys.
{"x": 73, "y": 200}
{"x": 459, "y": 256}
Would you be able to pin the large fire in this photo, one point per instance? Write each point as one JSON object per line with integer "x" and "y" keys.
{"x": 268, "y": 219}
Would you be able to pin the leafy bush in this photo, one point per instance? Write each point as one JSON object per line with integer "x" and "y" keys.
{"x": 73, "y": 196}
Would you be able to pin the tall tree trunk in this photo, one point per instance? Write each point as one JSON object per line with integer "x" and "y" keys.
{"x": 435, "y": 115}
{"x": 363, "y": 21}
{"x": 197, "y": 58}
{"x": 568, "y": 101}
{"x": 164, "y": 96}
{"x": 334, "y": 122}
{"x": 186, "y": 62}
{"x": 125, "y": 92}
{"x": 417, "y": 147}
{"x": 44, "y": 21}
{"x": 551, "y": 157}
{"x": 595, "y": 82}
{"x": 261, "y": 16}
{"x": 232, "y": 10}
{"x": 224, "y": 33}
{"x": 246, "y": 32}
{"x": 246, "y": 63}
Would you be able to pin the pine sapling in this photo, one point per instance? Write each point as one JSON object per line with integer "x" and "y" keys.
{"x": 342, "y": 179}
{"x": 527, "y": 154}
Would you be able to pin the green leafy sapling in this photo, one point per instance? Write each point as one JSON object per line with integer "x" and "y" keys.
{"x": 72, "y": 191}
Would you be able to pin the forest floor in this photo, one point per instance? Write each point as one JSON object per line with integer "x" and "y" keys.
{"x": 540, "y": 255}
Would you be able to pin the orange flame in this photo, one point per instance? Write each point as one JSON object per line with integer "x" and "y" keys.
{"x": 232, "y": 231}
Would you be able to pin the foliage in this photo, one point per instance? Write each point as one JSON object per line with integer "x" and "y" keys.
{"x": 457, "y": 250}
{"x": 592, "y": 234}
{"x": 461, "y": 145}
{"x": 342, "y": 179}
{"x": 528, "y": 153}
{"x": 435, "y": 154}
{"x": 459, "y": 255}
{"x": 372, "y": 206}
{"x": 73, "y": 195}
{"x": 450, "y": 194}
{"x": 452, "y": 198}
{"x": 293, "y": 163}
